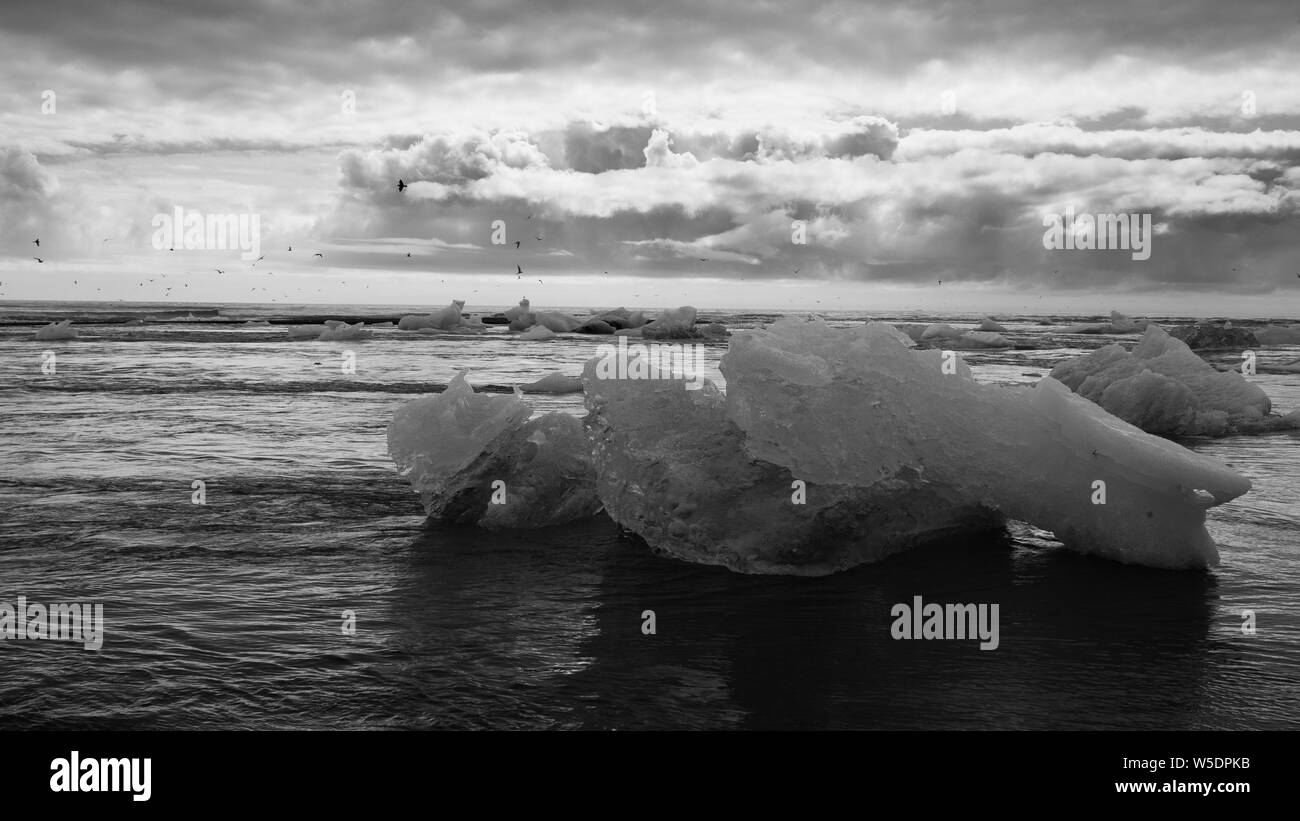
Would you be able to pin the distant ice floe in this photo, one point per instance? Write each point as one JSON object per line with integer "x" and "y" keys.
{"x": 831, "y": 448}
{"x": 1163, "y": 388}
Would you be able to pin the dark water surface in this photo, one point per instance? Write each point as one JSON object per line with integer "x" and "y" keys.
{"x": 229, "y": 614}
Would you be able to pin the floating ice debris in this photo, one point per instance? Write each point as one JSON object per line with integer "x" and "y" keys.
{"x": 1164, "y": 388}
{"x": 538, "y": 332}
{"x": 555, "y": 382}
{"x": 674, "y": 323}
{"x": 941, "y": 330}
{"x": 987, "y": 324}
{"x": 442, "y": 319}
{"x": 560, "y": 323}
{"x": 856, "y": 407}
{"x": 477, "y": 459}
{"x": 56, "y": 330}
{"x": 832, "y": 447}
{"x": 343, "y": 331}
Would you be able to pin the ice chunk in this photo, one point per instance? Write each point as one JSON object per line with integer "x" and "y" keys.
{"x": 673, "y": 469}
{"x": 555, "y": 382}
{"x": 987, "y": 324}
{"x": 856, "y": 407}
{"x": 343, "y": 331}
{"x": 56, "y": 330}
{"x": 538, "y": 332}
{"x": 518, "y": 311}
{"x": 1164, "y": 388}
{"x": 674, "y": 323}
{"x": 442, "y": 319}
{"x": 558, "y": 322}
{"x": 478, "y": 459}
{"x": 941, "y": 330}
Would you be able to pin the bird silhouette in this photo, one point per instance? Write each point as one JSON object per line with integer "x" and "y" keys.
{"x": 37, "y": 242}
{"x": 218, "y": 270}
{"x": 539, "y": 239}
{"x": 401, "y": 186}
{"x": 408, "y": 254}
{"x": 519, "y": 269}
{"x": 322, "y": 256}
{"x": 38, "y": 259}
{"x": 291, "y": 248}
{"x": 516, "y": 245}
{"x": 259, "y": 259}
{"x": 796, "y": 272}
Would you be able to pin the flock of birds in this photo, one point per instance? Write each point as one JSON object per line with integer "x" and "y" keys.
{"x": 401, "y": 187}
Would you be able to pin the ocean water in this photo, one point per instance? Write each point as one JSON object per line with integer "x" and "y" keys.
{"x": 229, "y": 614}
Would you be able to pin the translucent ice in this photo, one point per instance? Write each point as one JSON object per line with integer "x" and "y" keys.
{"x": 987, "y": 324}
{"x": 857, "y": 407}
{"x": 1162, "y": 387}
{"x": 478, "y": 459}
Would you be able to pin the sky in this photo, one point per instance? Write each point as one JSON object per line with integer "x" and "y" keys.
{"x": 812, "y": 155}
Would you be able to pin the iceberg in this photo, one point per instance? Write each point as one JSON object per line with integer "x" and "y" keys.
{"x": 56, "y": 330}
{"x": 479, "y": 459}
{"x": 1163, "y": 388}
{"x": 987, "y": 324}
{"x": 830, "y": 448}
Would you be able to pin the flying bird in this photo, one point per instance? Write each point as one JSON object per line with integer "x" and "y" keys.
{"x": 539, "y": 239}
{"x": 408, "y": 254}
{"x": 516, "y": 245}
{"x": 519, "y": 269}
{"x": 401, "y": 186}
{"x": 259, "y": 259}
{"x": 218, "y": 270}
{"x": 322, "y": 256}
{"x": 37, "y": 242}
{"x": 38, "y": 259}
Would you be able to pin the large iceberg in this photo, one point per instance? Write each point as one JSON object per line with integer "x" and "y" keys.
{"x": 1163, "y": 388}
{"x": 830, "y": 448}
